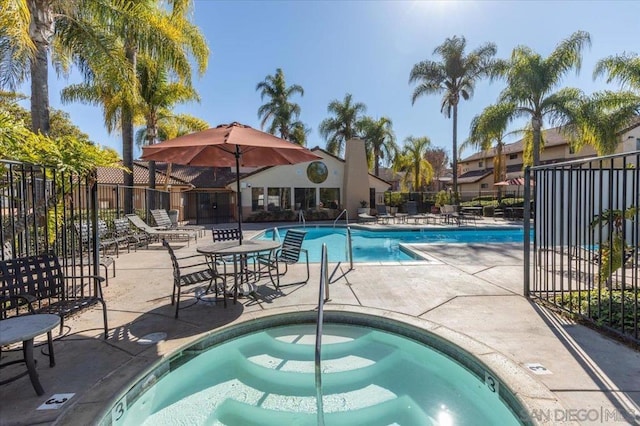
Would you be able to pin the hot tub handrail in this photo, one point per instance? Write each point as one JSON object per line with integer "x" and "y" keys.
{"x": 344, "y": 212}
{"x": 324, "y": 279}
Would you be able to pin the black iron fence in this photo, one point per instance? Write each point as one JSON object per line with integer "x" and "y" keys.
{"x": 425, "y": 201}
{"x": 111, "y": 201}
{"x": 585, "y": 254}
{"x": 42, "y": 210}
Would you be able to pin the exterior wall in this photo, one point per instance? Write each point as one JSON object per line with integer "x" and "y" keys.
{"x": 295, "y": 176}
{"x": 291, "y": 176}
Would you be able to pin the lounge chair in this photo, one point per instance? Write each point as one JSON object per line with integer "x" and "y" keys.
{"x": 163, "y": 221}
{"x": 191, "y": 270}
{"x": 412, "y": 211}
{"x": 364, "y": 218}
{"x": 123, "y": 229}
{"x": 382, "y": 213}
{"x": 157, "y": 233}
{"x": 287, "y": 254}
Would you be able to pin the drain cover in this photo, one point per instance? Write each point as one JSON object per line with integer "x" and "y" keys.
{"x": 152, "y": 338}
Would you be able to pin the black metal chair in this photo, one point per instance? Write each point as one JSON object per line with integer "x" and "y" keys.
{"x": 198, "y": 272}
{"x": 287, "y": 254}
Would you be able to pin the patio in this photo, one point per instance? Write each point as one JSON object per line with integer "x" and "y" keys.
{"x": 471, "y": 290}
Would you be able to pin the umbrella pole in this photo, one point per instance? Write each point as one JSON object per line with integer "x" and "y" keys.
{"x": 239, "y": 201}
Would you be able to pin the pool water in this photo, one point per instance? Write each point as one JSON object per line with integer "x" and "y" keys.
{"x": 385, "y": 246}
{"x": 369, "y": 377}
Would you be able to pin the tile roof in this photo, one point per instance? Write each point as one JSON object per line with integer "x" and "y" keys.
{"x": 201, "y": 177}
{"x": 474, "y": 176}
{"x": 114, "y": 176}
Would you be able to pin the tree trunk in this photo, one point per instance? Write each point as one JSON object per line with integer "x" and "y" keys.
{"x": 41, "y": 29}
{"x": 152, "y": 137}
{"x": 536, "y": 125}
{"x": 376, "y": 158}
{"x": 127, "y": 140}
{"x": 455, "y": 153}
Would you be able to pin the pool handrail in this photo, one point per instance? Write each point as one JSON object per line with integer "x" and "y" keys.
{"x": 343, "y": 212}
{"x": 275, "y": 234}
{"x": 349, "y": 247}
{"x": 301, "y": 218}
{"x": 324, "y": 287}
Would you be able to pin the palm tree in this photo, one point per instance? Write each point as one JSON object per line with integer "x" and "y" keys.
{"x": 165, "y": 37}
{"x": 624, "y": 68}
{"x": 73, "y": 31}
{"x": 380, "y": 141}
{"x": 598, "y": 120}
{"x": 337, "y": 130}
{"x": 158, "y": 95}
{"x": 412, "y": 160}
{"x": 488, "y": 128}
{"x": 531, "y": 80}
{"x": 279, "y": 110}
{"x": 454, "y": 77}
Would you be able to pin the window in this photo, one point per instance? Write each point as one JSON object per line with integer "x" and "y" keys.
{"x": 305, "y": 198}
{"x": 479, "y": 163}
{"x": 278, "y": 199}
{"x": 484, "y": 185}
{"x": 513, "y": 156}
{"x": 257, "y": 199}
{"x": 637, "y": 144}
{"x": 317, "y": 172}
{"x": 330, "y": 197}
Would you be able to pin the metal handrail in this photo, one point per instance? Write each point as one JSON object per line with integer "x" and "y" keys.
{"x": 275, "y": 234}
{"x": 343, "y": 212}
{"x": 324, "y": 279}
{"x": 301, "y": 218}
{"x": 349, "y": 247}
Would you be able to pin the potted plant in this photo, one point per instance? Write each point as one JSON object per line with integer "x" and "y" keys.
{"x": 395, "y": 200}
{"x": 442, "y": 198}
{"x": 363, "y": 207}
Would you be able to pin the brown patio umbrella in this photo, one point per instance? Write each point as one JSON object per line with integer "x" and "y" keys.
{"x": 227, "y": 145}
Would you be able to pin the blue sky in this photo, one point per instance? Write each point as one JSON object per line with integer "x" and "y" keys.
{"x": 367, "y": 48}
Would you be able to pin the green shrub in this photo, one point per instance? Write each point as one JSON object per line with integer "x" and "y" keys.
{"x": 606, "y": 311}
{"x": 443, "y": 197}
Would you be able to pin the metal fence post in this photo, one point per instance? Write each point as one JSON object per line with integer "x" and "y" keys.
{"x": 527, "y": 231}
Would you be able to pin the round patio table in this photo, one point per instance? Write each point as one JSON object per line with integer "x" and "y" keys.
{"x": 238, "y": 253}
{"x": 23, "y": 329}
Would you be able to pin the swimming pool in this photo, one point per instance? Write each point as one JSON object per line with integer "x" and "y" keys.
{"x": 386, "y": 245}
{"x": 375, "y": 371}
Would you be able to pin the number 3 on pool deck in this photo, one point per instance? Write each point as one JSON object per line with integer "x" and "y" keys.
{"x": 117, "y": 413}
{"x": 492, "y": 383}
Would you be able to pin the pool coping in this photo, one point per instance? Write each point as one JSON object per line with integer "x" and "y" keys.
{"x": 517, "y": 388}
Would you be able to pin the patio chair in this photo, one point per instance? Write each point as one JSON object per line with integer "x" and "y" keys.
{"x": 229, "y": 234}
{"x": 163, "y": 221}
{"x": 383, "y": 215}
{"x": 157, "y": 233}
{"x": 186, "y": 274}
{"x": 287, "y": 254}
{"x": 449, "y": 214}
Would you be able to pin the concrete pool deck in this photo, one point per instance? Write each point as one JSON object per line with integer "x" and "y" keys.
{"x": 474, "y": 290}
